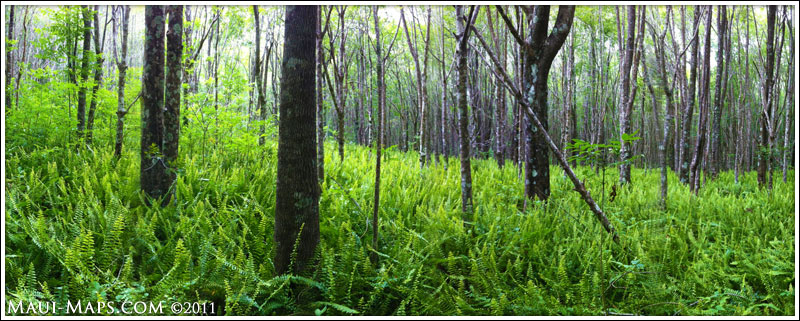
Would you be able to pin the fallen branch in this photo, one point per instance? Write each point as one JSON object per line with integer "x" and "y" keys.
{"x": 556, "y": 151}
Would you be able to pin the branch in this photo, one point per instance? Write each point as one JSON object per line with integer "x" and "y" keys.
{"x": 579, "y": 187}
{"x": 510, "y": 26}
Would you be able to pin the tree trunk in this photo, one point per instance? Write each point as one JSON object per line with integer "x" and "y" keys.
{"x": 688, "y": 110}
{"x": 98, "y": 76}
{"x": 787, "y": 131}
{"x": 153, "y": 169}
{"x": 379, "y": 135}
{"x": 172, "y": 92}
{"x": 764, "y": 148}
{"x": 9, "y": 56}
{"x": 625, "y": 99}
{"x": 462, "y": 37}
{"x": 122, "y": 66}
{"x": 297, "y": 191}
{"x": 714, "y": 154}
{"x": 87, "y": 38}
{"x": 694, "y": 169}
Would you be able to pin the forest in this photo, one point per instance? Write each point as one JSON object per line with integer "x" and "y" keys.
{"x": 341, "y": 160}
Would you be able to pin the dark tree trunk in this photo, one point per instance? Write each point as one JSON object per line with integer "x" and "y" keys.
{"x": 716, "y": 116}
{"x": 87, "y": 39}
{"x": 379, "y": 134}
{"x": 688, "y": 110}
{"x": 172, "y": 92}
{"x": 694, "y": 168}
{"x": 153, "y": 169}
{"x": 765, "y": 114}
{"x": 297, "y": 192}
{"x": 539, "y": 51}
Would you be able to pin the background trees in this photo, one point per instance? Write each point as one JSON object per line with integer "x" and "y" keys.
{"x": 494, "y": 94}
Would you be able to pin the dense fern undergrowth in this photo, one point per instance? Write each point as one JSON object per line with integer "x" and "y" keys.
{"x": 77, "y": 229}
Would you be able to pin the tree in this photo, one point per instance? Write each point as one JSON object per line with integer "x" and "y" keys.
{"x": 719, "y": 94}
{"x": 688, "y": 109}
{"x": 87, "y": 38}
{"x": 705, "y": 79}
{"x": 261, "y": 105}
{"x": 422, "y": 80}
{"x": 172, "y": 92}
{"x": 766, "y": 112}
{"x": 539, "y": 49}
{"x": 153, "y": 169}
{"x": 627, "y": 96}
{"x": 297, "y": 190}
{"x": 98, "y": 72}
{"x": 462, "y": 37}
{"x": 9, "y": 56}
{"x": 526, "y": 106}
{"x": 122, "y": 67}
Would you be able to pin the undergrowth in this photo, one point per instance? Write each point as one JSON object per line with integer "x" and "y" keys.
{"x": 77, "y": 229}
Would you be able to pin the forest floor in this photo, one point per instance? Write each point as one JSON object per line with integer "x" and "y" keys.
{"x": 76, "y": 229}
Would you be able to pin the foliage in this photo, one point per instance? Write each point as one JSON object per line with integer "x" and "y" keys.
{"x": 77, "y": 229}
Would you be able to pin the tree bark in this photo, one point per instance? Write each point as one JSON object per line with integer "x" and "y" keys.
{"x": 172, "y": 93}
{"x": 297, "y": 192}
{"x": 9, "y": 54}
{"x": 87, "y": 38}
{"x": 98, "y": 75}
{"x": 153, "y": 169}
{"x": 122, "y": 66}
{"x": 714, "y": 155}
{"x": 462, "y": 38}
{"x": 766, "y": 114}
{"x": 694, "y": 169}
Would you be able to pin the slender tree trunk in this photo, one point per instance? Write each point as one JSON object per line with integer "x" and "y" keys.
{"x": 87, "y": 38}
{"x": 688, "y": 110}
{"x": 98, "y": 76}
{"x": 714, "y": 154}
{"x": 379, "y": 134}
{"x": 21, "y": 64}
{"x": 694, "y": 168}
{"x": 462, "y": 37}
{"x": 297, "y": 192}
{"x": 764, "y": 148}
{"x": 626, "y": 98}
{"x": 787, "y": 131}
{"x": 9, "y": 54}
{"x": 122, "y": 66}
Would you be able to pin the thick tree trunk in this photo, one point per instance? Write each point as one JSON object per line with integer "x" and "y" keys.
{"x": 297, "y": 192}
{"x": 153, "y": 169}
